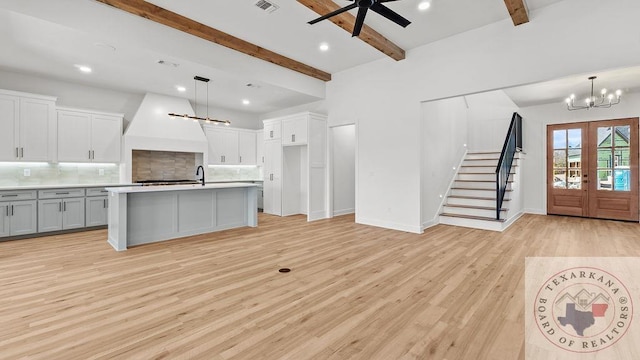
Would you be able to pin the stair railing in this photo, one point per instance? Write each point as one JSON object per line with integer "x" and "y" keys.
{"x": 512, "y": 144}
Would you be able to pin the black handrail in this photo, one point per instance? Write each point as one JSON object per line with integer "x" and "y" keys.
{"x": 512, "y": 143}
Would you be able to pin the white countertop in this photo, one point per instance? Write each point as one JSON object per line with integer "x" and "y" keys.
{"x": 141, "y": 189}
{"x": 60, "y": 186}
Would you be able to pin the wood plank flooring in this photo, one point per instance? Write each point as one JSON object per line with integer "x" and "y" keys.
{"x": 354, "y": 292}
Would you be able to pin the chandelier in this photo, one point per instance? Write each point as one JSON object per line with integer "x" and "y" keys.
{"x": 603, "y": 101}
{"x": 195, "y": 118}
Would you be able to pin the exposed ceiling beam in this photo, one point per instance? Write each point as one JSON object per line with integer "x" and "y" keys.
{"x": 182, "y": 23}
{"x": 518, "y": 11}
{"x": 347, "y": 22}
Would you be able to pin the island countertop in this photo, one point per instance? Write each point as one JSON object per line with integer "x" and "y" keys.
{"x": 157, "y": 188}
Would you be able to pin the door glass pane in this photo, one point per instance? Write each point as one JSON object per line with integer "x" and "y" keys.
{"x": 575, "y": 138}
{"x": 559, "y": 139}
{"x": 604, "y": 180}
{"x": 621, "y": 180}
{"x": 574, "y": 158}
{"x": 604, "y": 137}
{"x": 604, "y": 159}
{"x": 622, "y": 135}
{"x": 575, "y": 179}
{"x": 559, "y": 179}
{"x": 622, "y": 158}
{"x": 559, "y": 158}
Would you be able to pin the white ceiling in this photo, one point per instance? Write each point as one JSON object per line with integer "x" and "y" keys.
{"x": 47, "y": 38}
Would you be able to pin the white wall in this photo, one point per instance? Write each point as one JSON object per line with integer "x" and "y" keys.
{"x": 489, "y": 118}
{"x": 95, "y": 98}
{"x": 318, "y": 107}
{"x": 444, "y": 136}
{"x": 343, "y": 152}
{"x": 74, "y": 95}
{"x": 534, "y": 130}
{"x": 383, "y": 97}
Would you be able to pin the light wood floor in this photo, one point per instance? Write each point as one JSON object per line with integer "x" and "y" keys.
{"x": 354, "y": 292}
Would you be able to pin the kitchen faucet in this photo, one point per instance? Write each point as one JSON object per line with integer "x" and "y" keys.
{"x": 198, "y": 172}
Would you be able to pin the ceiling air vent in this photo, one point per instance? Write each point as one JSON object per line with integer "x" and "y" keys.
{"x": 267, "y": 6}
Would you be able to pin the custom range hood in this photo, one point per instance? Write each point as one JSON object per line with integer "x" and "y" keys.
{"x": 152, "y": 129}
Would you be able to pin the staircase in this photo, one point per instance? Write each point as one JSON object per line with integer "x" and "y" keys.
{"x": 472, "y": 199}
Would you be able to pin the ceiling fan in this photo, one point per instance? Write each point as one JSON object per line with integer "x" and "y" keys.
{"x": 363, "y": 6}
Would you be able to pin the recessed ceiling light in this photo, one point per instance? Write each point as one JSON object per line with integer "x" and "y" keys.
{"x": 246, "y": 102}
{"x": 324, "y": 47}
{"x": 424, "y": 5}
{"x": 181, "y": 88}
{"x": 85, "y": 69}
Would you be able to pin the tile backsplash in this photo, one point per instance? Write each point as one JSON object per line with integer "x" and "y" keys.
{"x": 14, "y": 174}
{"x": 162, "y": 165}
{"x": 232, "y": 173}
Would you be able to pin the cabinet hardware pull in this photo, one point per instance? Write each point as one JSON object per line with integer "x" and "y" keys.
{"x": 62, "y": 193}
{"x": 103, "y": 191}
{"x": 7, "y": 210}
{"x": 263, "y": 159}
{"x": 93, "y": 154}
{"x": 89, "y": 154}
{"x": 293, "y": 137}
{"x": 59, "y": 207}
{"x": 240, "y": 158}
{"x": 17, "y": 153}
{"x": 64, "y": 206}
{"x": 11, "y": 210}
{"x": 22, "y": 152}
{"x": 10, "y": 195}
{"x": 271, "y": 133}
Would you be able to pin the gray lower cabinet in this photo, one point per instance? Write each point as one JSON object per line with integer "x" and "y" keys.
{"x": 60, "y": 214}
{"x": 18, "y": 218}
{"x": 97, "y": 209}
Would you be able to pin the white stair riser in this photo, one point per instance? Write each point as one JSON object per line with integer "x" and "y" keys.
{"x": 478, "y": 193}
{"x": 484, "y": 156}
{"x": 474, "y": 202}
{"x": 482, "y": 169}
{"x": 492, "y": 162}
{"x": 474, "y": 212}
{"x": 481, "y": 177}
{"x": 478, "y": 185}
{"x": 471, "y": 223}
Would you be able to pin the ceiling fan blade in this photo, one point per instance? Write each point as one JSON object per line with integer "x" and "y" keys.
{"x": 333, "y": 13}
{"x": 362, "y": 12}
{"x": 390, "y": 14}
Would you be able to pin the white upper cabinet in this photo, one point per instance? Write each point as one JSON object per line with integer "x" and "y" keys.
{"x": 85, "y": 136}
{"x": 223, "y": 146}
{"x": 294, "y": 131}
{"x": 246, "y": 147}
{"x": 229, "y": 146}
{"x": 27, "y": 127}
{"x": 272, "y": 130}
{"x": 259, "y": 148}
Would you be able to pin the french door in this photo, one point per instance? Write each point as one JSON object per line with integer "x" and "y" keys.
{"x": 592, "y": 169}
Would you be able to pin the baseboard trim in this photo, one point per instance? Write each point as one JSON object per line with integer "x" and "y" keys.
{"x": 389, "y": 225}
{"x": 535, "y": 211}
{"x": 344, "y": 212}
{"x": 430, "y": 223}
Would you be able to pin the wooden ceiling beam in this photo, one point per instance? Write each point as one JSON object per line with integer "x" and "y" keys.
{"x": 517, "y": 11}
{"x": 165, "y": 17}
{"x": 347, "y": 22}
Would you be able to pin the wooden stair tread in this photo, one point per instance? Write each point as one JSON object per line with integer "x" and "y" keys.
{"x": 472, "y": 217}
{"x": 463, "y": 188}
{"x": 475, "y": 197}
{"x": 482, "y": 152}
{"x": 482, "y": 181}
{"x": 475, "y": 207}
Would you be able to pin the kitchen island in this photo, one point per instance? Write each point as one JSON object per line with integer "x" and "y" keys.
{"x": 145, "y": 214}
